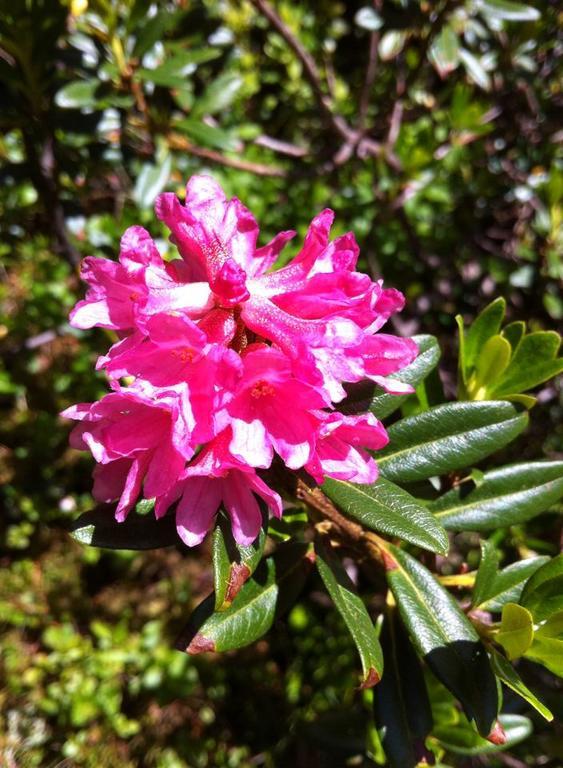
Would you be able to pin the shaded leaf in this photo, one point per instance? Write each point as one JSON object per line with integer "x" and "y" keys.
{"x": 80, "y": 93}
{"x": 505, "y": 496}
{"x": 218, "y": 95}
{"x": 443, "y": 634}
{"x": 448, "y": 437}
{"x": 514, "y": 332}
{"x": 547, "y": 651}
{"x": 385, "y": 507}
{"x": 99, "y": 528}
{"x": 486, "y": 324}
{"x": 543, "y": 593}
{"x": 352, "y": 609}
{"x": 464, "y": 741}
{"x": 504, "y": 670}
{"x": 401, "y": 704}
{"x": 207, "y": 135}
{"x": 534, "y": 361}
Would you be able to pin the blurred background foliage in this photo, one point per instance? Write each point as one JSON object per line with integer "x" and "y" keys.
{"x": 432, "y": 130}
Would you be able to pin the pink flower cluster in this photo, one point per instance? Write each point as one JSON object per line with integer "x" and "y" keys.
{"x": 228, "y": 363}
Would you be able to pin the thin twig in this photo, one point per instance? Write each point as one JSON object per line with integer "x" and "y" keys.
{"x": 369, "y": 78}
{"x": 179, "y": 142}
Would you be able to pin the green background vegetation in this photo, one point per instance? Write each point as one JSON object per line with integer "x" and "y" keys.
{"x": 431, "y": 129}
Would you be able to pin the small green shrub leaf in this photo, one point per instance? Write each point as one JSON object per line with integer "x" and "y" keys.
{"x": 534, "y": 361}
{"x": 464, "y": 741}
{"x": 543, "y": 593}
{"x": 516, "y": 630}
{"x": 505, "y": 672}
{"x": 99, "y": 528}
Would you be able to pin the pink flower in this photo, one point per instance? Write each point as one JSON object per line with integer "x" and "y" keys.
{"x": 228, "y": 363}
{"x": 217, "y": 477}
{"x": 135, "y": 438}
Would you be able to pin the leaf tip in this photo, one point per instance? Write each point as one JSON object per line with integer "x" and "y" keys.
{"x": 372, "y": 678}
{"x": 199, "y": 644}
{"x": 498, "y": 735}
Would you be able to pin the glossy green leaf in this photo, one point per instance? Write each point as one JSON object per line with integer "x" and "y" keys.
{"x": 274, "y": 585}
{"x": 447, "y": 437}
{"x": 475, "y": 69}
{"x": 207, "y": 135}
{"x": 464, "y": 741}
{"x": 401, "y": 705}
{"x": 494, "y": 588}
{"x": 516, "y": 630}
{"x": 444, "y": 636}
{"x": 507, "y": 10}
{"x": 486, "y": 324}
{"x": 444, "y": 51}
{"x": 391, "y": 44}
{"x": 151, "y": 181}
{"x": 233, "y": 564}
{"x": 543, "y": 593}
{"x": 385, "y": 507}
{"x": 352, "y": 609}
{"x": 218, "y": 95}
{"x": 505, "y": 672}
{"x": 492, "y": 361}
{"x": 553, "y": 627}
{"x": 534, "y": 361}
{"x": 80, "y": 93}
{"x": 99, "y": 528}
{"x": 506, "y": 496}
{"x": 362, "y": 397}
{"x": 153, "y": 30}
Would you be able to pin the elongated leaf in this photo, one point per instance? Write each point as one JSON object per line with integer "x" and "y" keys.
{"x": 506, "y": 496}
{"x": 549, "y": 652}
{"x": 151, "y": 181}
{"x": 391, "y": 44}
{"x": 367, "y": 397}
{"x": 492, "y": 361}
{"x": 507, "y": 10}
{"x": 353, "y": 611}
{"x": 207, "y": 135}
{"x": 80, "y": 93}
{"x": 486, "y": 324}
{"x": 514, "y": 332}
{"x": 448, "y": 437}
{"x": 509, "y": 583}
{"x": 385, "y": 507}
{"x": 218, "y": 95}
{"x": 534, "y": 361}
{"x": 516, "y": 630}
{"x": 543, "y": 594}
{"x": 443, "y": 634}
{"x": 464, "y": 741}
{"x": 99, "y": 528}
{"x": 444, "y": 52}
{"x": 475, "y": 69}
{"x": 401, "y": 704}
{"x": 486, "y": 574}
{"x": 233, "y": 565}
{"x": 276, "y": 582}
{"x": 504, "y": 670}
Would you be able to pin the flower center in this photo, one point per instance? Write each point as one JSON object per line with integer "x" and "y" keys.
{"x": 185, "y": 354}
{"x": 262, "y": 389}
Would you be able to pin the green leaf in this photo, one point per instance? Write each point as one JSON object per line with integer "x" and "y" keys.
{"x": 553, "y": 627}
{"x": 516, "y": 630}
{"x": 151, "y": 181}
{"x": 486, "y": 324}
{"x": 506, "y": 496}
{"x": 475, "y": 70}
{"x": 486, "y": 574}
{"x": 549, "y": 652}
{"x": 534, "y": 361}
{"x": 514, "y": 333}
{"x": 464, "y": 741}
{"x": 207, "y": 135}
{"x": 99, "y": 528}
{"x": 367, "y": 18}
{"x": 361, "y": 397}
{"x": 543, "y": 594}
{"x": 447, "y": 437}
{"x": 233, "y": 565}
{"x": 493, "y": 588}
{"x": 504, "y": 670}
{"x": 218, "y": 95}
{"x": 401, "y": 704}
{"x": 80, "y": 93}
{"x": 152, "y": 30}
{"x": 391, "y": 44}
{"x": 385, "y": 507}
{"x": 443, "y": 634}
{"x": 444, "y": 51}
{"x": 266, "y": 595}
{"x": 506, "y": 10}
{"x": 492, "y": 360}
{"x": 353, "y": 611}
